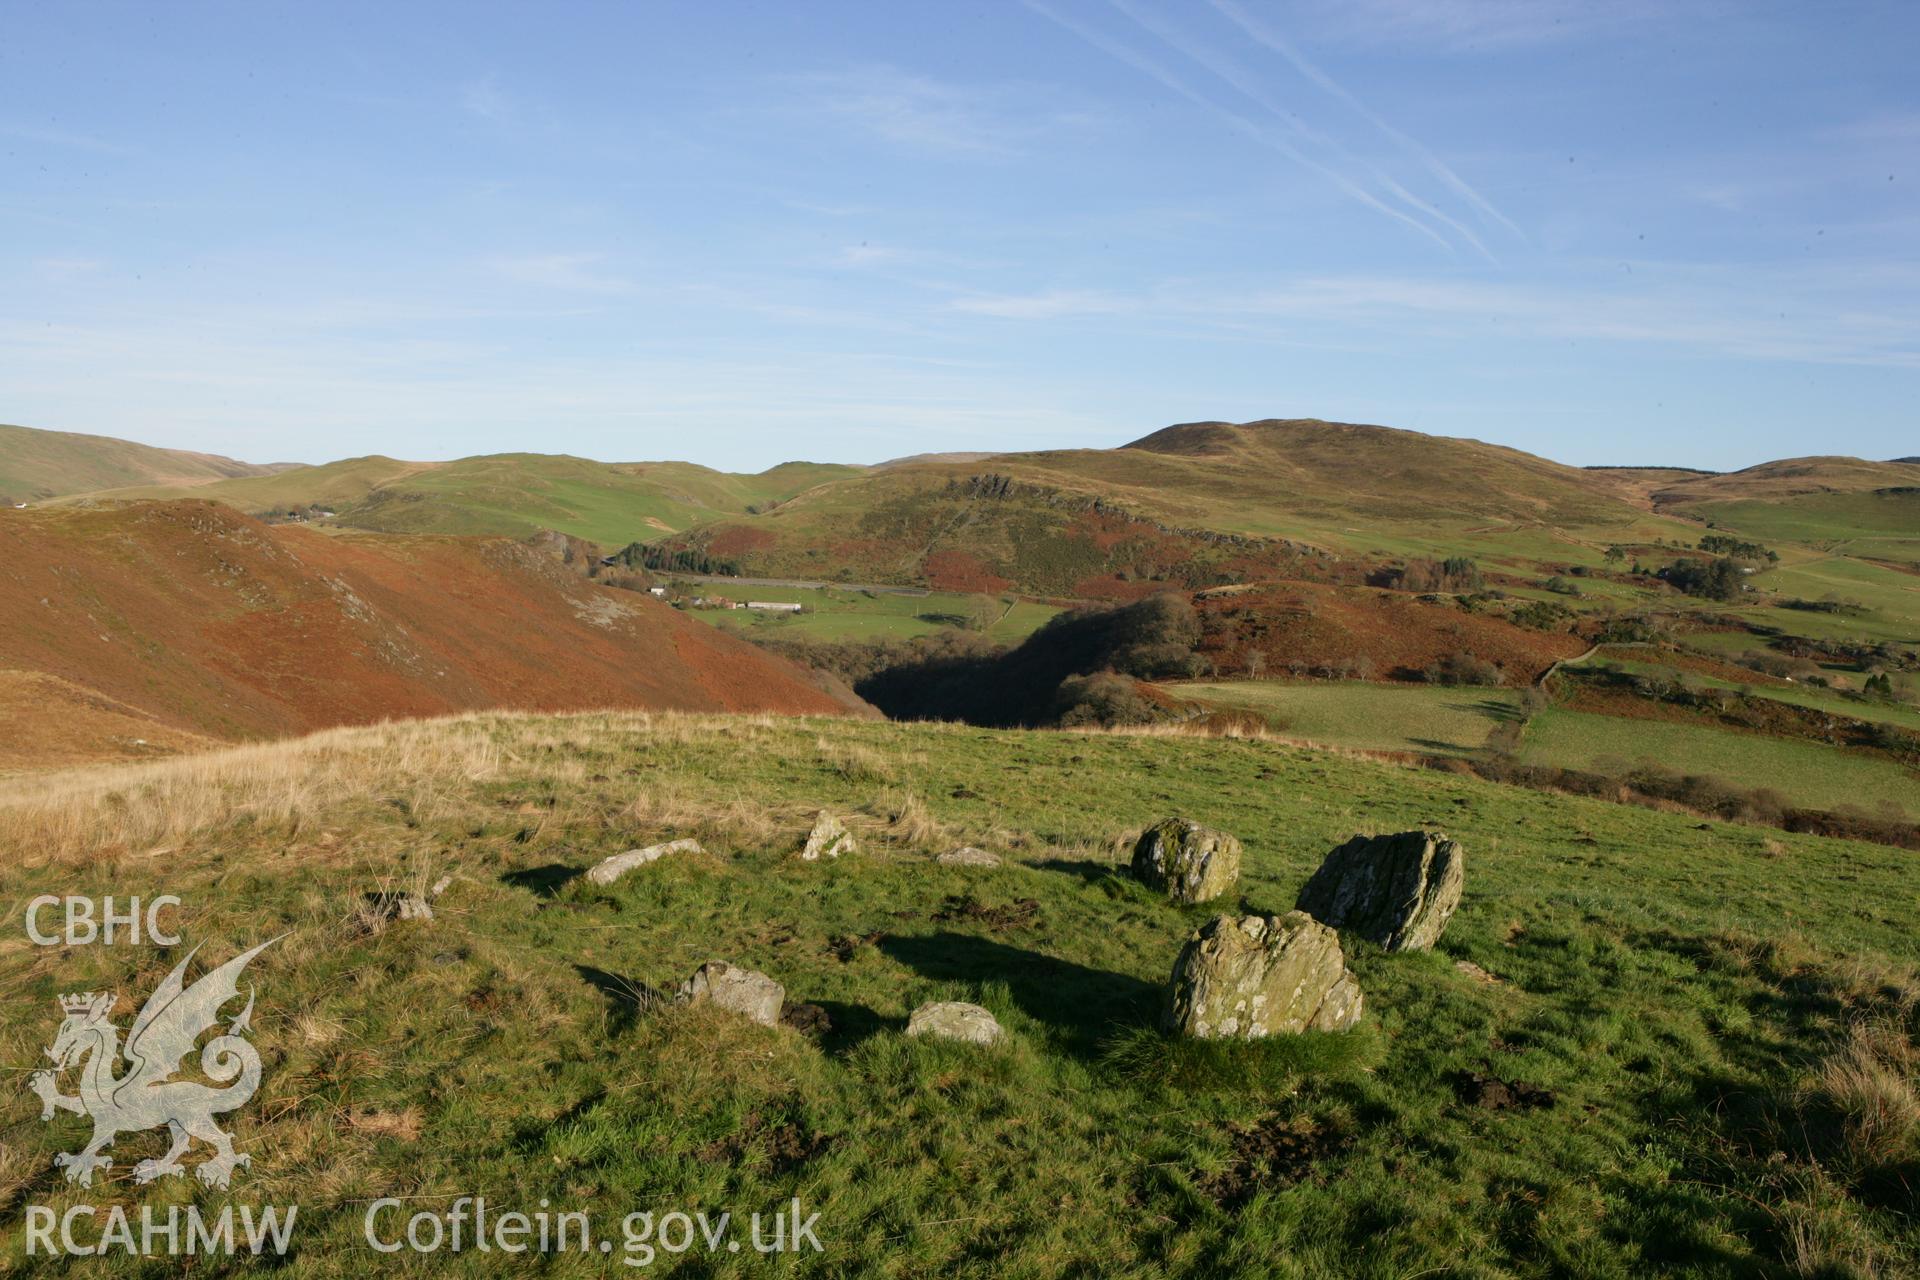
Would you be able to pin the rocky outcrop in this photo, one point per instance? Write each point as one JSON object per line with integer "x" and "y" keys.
{"x": 955, "y": 1020}
{"x": 1248, "y": 977}
{"x": 1397, "y": 891}
{"x": 1186, "y": 861}
{"x": 828, "y": 839}
{"x": 607, "y": 870}
{"x": 750, "y": 994}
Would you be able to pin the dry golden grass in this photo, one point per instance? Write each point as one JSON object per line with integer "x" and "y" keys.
{"x": 1872, "y": 1082}
{"x": 284, "y": 785}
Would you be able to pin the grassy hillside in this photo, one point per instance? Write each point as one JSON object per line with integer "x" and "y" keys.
{"x": 36, "y": 465}
{"x": 1054, "y": 522}
{"x": 1881, "y": 524}
{"x": 1719, "y": 1022}
{"x": 1788, "y": 478}
{"x": 517, "y": 494}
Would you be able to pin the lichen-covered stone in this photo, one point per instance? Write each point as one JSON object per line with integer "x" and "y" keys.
{"x": 955, "y": 1020}
{"x": 968, "y": 856}
{"x": 1186, "y": 861}
{"x": 607, "y": 870}
{"x": 1248, "y": 977}
{"x": 1398, "y": 891}
{"x": 747, "y": 992}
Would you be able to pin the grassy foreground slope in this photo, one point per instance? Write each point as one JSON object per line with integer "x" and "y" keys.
{"x": 1722, "y": 1019}
{"x": 35, "y": 465}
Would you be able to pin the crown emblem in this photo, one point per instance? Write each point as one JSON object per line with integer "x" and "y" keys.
{"x": 78, "y": 1002}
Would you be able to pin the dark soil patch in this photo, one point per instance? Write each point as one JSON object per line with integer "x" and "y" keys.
{"x": 787, "y": 1144}
{"x": 808, "y": 1019}
{"x": 961, "y": 908}
{"x": 1492, "y": 1094}
{"x": 846, "y": 946}
{"x": 1274, "y": 1153}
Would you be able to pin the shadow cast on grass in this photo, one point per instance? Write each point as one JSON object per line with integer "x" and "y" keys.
{"x": 1083, "y": 1004}
{"x": 544, "y": 881}
{"x": 626, "y": 997}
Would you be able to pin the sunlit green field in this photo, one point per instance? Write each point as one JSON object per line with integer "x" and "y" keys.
{"x": 1798, "y": 695}
{"x": 1808, "y": 773}
{"x": 840, "y": 613}
{"x": 1425, "y": 719}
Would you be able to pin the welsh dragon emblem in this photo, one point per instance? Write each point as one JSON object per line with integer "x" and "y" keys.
{"x": 168, "y": 1027}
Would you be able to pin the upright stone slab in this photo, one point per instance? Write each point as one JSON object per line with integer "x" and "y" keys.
{"x": 1186, "y": 861}
{"x": 1249, "y": 977}
{"x": 828, "y": 839}
{"x": 1398, "y": 891}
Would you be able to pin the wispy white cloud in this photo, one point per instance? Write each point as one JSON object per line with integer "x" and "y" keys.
{"x": 1496, "y": 25}
{"x": 921, "y": 113}
{"x": 1818, "y": 317}
{"x": 1051, "y": 304}
{"x": 68, "y": 270}
{"x": 484, "y": 98}
{"x": 53, "y": 136}
{"x": 572, "y": 272}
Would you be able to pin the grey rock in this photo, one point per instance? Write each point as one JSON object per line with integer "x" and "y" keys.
{"x": 1398, "y": 891}
{"x": 968, "y": 856}
{"x": 955, "y": 1020}
{"x": 607, "y": 870}
{"x": 440, "y": 886}
{"x": 747, "y": 992}
{"x": 828, "y": 839}
{"x": 1249, "y": 977}
{"x": 1186, "y": 861}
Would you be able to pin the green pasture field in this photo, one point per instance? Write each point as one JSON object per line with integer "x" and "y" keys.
{"x": 1425, "y": 719}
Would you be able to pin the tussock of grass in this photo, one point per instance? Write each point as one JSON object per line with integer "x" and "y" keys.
{"x": 1871, "y": 1081}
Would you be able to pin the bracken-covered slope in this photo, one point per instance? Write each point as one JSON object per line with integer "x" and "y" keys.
{"x": 36, "y": 465}
{"x": 219, "y": 625}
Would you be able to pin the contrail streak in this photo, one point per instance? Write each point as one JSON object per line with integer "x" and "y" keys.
{"x": 1233, "y": 75}
{"x": 1167, "y": 80}
{"x": 1438, "y": 167}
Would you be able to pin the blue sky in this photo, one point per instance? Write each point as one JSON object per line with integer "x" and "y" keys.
{"x": 1672, "y": 231}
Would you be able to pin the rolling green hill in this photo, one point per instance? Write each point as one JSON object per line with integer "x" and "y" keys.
{"x": 515, "y": 494}
{"x": 37, "y": 465}
{"x": 1052, "y": 520}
